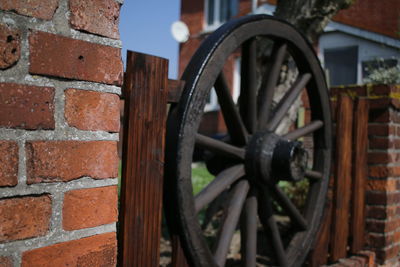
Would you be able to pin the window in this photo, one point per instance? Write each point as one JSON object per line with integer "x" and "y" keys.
{"x": 368, "y": 67}
{"x": 212, "y": 101}
{"x": 220, "y": 11}
{"x": 341, "y": 64}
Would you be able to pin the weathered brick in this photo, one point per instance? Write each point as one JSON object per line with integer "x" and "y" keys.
{"x": 8, "y": 163}
{"x": 383, "y": 157}
{"x": 27, "y": 107}
{"x": 24, "y": 217}
{"x": 6, "y": 262}
{"x": 382, "y": 198}
{"x": 42, "y": 9}
{"x": 86, "y": 208}
{"x": 380, "y": 115}
{"x": 381, "y": 212}
{"x": 384, "y": 254}
{"x": 382, "y": 226}
{"x": 360, "y": 260}
{"x": 381, "y": 143}
{"x": 383, "y": 171}
{"x": 348, "y": 263}
{"x": 379, "y": 240}
{"x": 381, "y": 129}
{"x": 378, "y": 158}
{"x": 52, "y": 161}
{"x": 95, "y": 16}
{"x": 87, "y": 110}
{"x": 388, "y": 185}
{"x": 369, "y": 256}
{"x": 94, "y": 251}
{"x": 53, "y": 55}
{"x": 10, "y": 46}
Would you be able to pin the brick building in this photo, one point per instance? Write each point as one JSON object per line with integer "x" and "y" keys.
{"x": 352, "y": 42}
{"x": 60, "y": 80}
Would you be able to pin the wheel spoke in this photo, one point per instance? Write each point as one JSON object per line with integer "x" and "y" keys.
{"x": 217, "y": 186}
{"x": 249, "y": 231}
{"x": 248, "y": 85}
{"x": 289, "y": 207}
{"x": 234, "y": 123}
{"x": 288, "y": 99}
{"x": 269, "y": 82}
{"x": 313, "y": 126}
{"x": 231, "y": 218}
{"x": 314, "y": 175}
{"x": 219, "y": 146}
{"x": 270, "y": 226}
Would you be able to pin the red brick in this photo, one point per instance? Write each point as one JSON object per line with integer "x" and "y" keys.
{"x": 87, "y": 110}
{"x": 86, "y": 208}
{"x": 369, "y": 256}
{"x": 381, "y": 129}
{"x": 6, "y": 262}
{"x": 383, "y": 171}
{"x": 381, "y": 212}
{"x": 381, "y": 143}
{"x": 383, "y": 255}
{"x": 27, "y": 107}
{"x": 361, "y": 260}
{"x": 383, "y": 157}
{"x": 8, "y": 163}
{"x": 379, "y": 240}
{"x": 10, "y": 46}
{"x": 95, "y": 16}
{"x": 382, "y": 198}
{"x": 24, "y": 217}
{"x": 53, "y": 55}
{"x": 382, "y": 226}
{"x": 53, "y": 161}
{"x": 380, "y": 115}
{"x": 31, "y": 8}
{"x": 94, "y": 251}
{"x": 382, "y": 16}
{"x": 348, "y": 263}
{"x": 387, "y": 185}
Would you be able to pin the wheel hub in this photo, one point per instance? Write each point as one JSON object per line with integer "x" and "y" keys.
{"x": 270, "y": 158}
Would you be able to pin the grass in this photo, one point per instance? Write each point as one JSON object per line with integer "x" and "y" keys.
{"x": 200, "y": 177}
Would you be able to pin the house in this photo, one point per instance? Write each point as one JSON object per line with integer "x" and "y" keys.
{"x": 358, "y": 40}
{"x": 353, "y": 43}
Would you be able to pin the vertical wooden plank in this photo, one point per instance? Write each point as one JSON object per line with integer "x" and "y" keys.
{"x": 360, "y": 145}
{"x": 342, "y": 187}
{"x": 143, "y": 156}
{"x": 178, "y": 256}
{"x": 318, "y": 256}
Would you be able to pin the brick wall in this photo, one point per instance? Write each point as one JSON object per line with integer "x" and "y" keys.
{"x": 60, "y": 80}
{"x": 383, "y": 184}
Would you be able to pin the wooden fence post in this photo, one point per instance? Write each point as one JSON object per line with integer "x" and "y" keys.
{"x": 360, "y": 174}
{"x": 146, "y": 91}
{"x": 342, "y": 190}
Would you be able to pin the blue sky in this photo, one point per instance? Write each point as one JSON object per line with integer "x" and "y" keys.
{"x": 145, "y": 27}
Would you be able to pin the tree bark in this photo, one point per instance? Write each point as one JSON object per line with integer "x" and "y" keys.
{"x": 310, "y": 16}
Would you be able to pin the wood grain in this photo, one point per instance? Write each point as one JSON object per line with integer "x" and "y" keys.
{"x": 360, "y": 145}
{"x": 341, "y": 193}
{"x": 319, "y": 255}
{"x": 143, "y": 158}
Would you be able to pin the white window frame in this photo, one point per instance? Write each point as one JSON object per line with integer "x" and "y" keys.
{"x": 217, "y": 19}
{"x": 213, "y": 104}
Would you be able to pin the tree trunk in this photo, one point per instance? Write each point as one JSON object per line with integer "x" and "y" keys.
{"x": 310, "y": 16}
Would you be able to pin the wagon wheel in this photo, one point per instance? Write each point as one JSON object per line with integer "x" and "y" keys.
{"x": 254, "y": 158}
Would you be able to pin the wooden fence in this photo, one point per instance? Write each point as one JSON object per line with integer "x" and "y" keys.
{"x": 147, "y": 91}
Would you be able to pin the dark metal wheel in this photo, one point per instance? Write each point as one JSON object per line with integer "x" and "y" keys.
{"x": 256, "y": 161}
